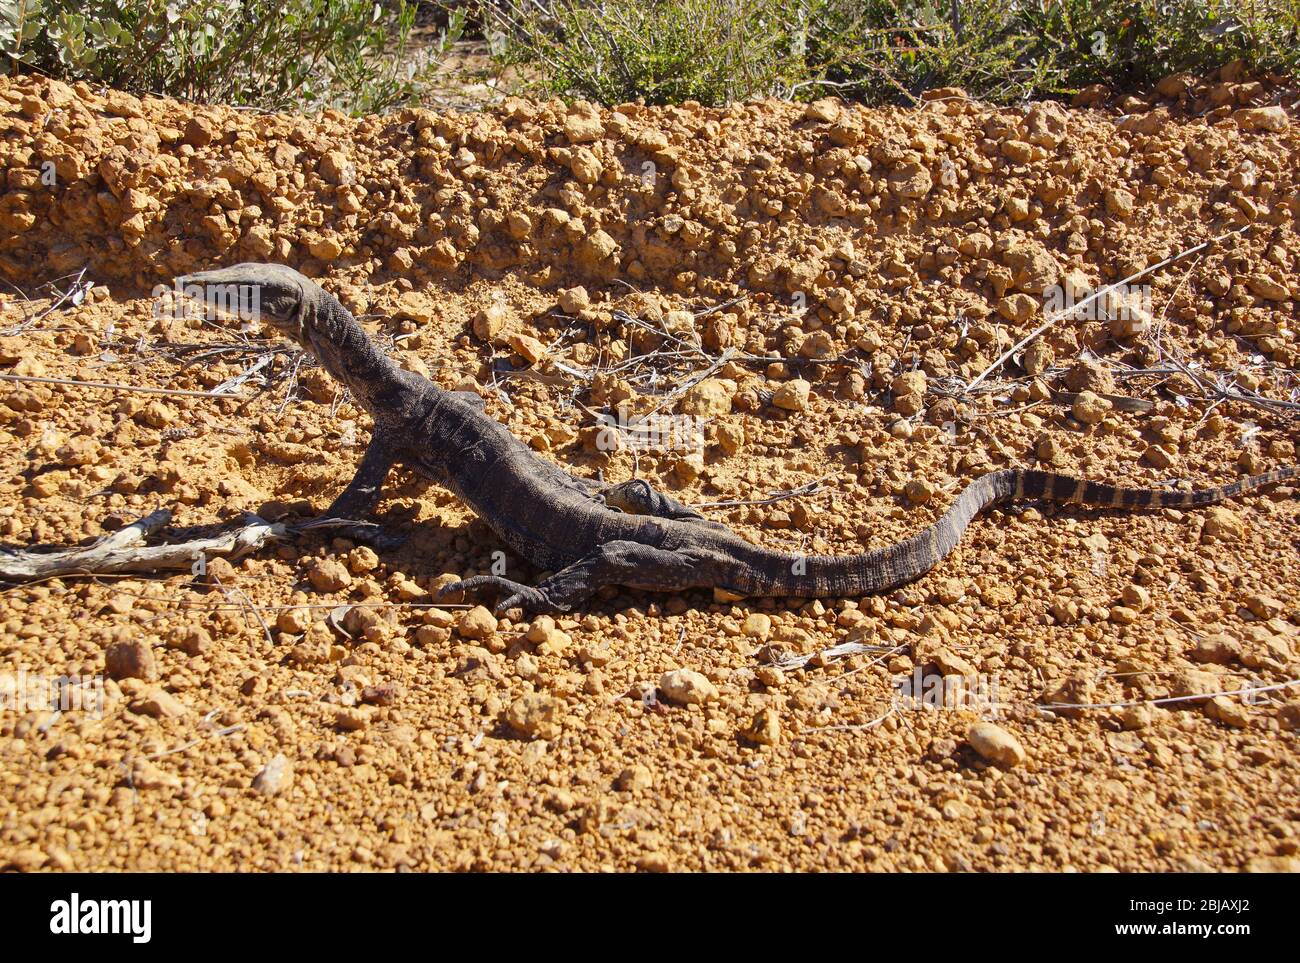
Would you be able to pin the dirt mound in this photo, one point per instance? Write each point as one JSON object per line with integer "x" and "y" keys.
{"x": 820, "y": 283}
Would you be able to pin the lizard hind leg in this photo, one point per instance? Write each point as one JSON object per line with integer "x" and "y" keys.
{"x": 624, "y": 563}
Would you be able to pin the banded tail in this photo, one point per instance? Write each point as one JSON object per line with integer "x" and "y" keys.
{"x": 763, "y": 572}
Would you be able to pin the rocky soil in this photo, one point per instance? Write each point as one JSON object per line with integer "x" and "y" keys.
{"x": 820, "y": 283}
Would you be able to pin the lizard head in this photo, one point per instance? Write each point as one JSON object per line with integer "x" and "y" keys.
{"x": 268, "y": 293}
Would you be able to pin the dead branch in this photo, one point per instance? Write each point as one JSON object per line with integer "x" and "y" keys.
{"x": 123, "y": 551}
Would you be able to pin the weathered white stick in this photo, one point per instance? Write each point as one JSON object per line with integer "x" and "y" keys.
{"x": 122, "y": 551}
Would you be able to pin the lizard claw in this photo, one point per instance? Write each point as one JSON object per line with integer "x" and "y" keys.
{"x": 516, "y": 595}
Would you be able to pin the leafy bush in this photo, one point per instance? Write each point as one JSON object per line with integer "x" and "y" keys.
{"x": 879, "y": 50}
{"x": 666, "y": 52}
{"x": 274, "y": 54}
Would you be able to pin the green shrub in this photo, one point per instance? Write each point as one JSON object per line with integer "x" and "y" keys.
{"x": 667, "y": 52}
{"x": 880, "y": 50}
{"x": 276, "y": 54}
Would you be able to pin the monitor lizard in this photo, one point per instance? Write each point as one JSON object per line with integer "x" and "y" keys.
{"x": 588, "y": 533}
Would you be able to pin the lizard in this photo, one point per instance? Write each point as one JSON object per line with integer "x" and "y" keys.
{"x": 590, "y": 534}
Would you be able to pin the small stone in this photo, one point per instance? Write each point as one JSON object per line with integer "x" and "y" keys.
{"x": 765, "y": 728}
{"x": 1123, "y": 615}
{"x": 159, "y": 704}
{"x": 687, "y": 687}
{"x": 583, "y": 127}
{"x": 1263, "y": 286}
{"x": 1119, "y": 202}
{"x": 275, "y": 777}
{"x": 145, "y": 775}
{"x": 586, "y": 166}
{"x": 793, "y": 395}
{"x": 1228, "y": 711}
{"x": 1193, "y": 682}
{"x": 381, "y": 694}
{"x": 1038, "y": 358}
{"x": 655, "y": 862}
{"x": 190, "y": 639}
{"x": 826, "y": 110}
{"x": 1136, "y": 597}
{"x": 1017, "y": 308}
{"x": 1135, "y": 717}
{"x": 131, "y": 660}
{"x": 199, "y": 132}
{"x": 415, "y": 306}
{"x": 329, "y": 575}
{"x": 708, "y": 399}
{"x": 1272, "y": 119}
{"x": 528, "y": 347}
{"x": 336, "y": 168}
{"x": 758, "y": 626}
{"x": 918, "y": 491}
{"x": 573, "y": 300}
{"x": 490, "y": 322}
{"x": 1223, "y": 523}
{"x": 1265, "y": 606}
{"x": 326, "y": 248}
{"x": 534, "y": 715}
{"x": 362, "y": 559}
{"x": 352, "y": 718}
{"x": 950, "y": 591}
{"x": 477, "y": 623}
{"x": 908, "y": 383}
{"x": 1089, "y": 408}
{"x": 996, "y": 744}
{"x": 294, "y": 621}
{"x": 634, "y": 779}
{"x": 1158, "y": 456}
{"x": 1217, "y": 649}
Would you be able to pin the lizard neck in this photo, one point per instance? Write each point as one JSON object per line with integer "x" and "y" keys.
{"x": 344, "y": 349}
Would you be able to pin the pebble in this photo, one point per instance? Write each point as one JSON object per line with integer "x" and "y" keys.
{"x": 1223, "y": 523}
{"x": 329, "y": 575}
{"x": 131, "y": 660}
{"x": 275, "y": 777}
{"x": 634, "y": 778}
{"x": 573, "y": 300}
{"x": 535, "y": 716}
{"x": 792, "y": 395}
{"x": 1090, "y": 409}
{"x": 765, "y": 728}
{"x": 477, "y": 623}
{"x": 352, "y": 718}
{"x": 758, "y": 625}
{"x": 996, "y": 744}
{"x": 687, "y": 687}
{"x": 919, "y": 491}
{"x": 1228, "y": 711}
{"x": 145, "y": 775}
{"x": 155, "y": 702}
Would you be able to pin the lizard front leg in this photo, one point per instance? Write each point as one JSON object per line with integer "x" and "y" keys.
{"x": 362, "y": 494}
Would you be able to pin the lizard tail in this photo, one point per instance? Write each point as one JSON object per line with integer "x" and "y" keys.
{"x": 840, "y": 576}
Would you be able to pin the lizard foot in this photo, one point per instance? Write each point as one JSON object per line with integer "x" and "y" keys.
{"x": 367, "y": 533}
{"x": 516, "y": 594}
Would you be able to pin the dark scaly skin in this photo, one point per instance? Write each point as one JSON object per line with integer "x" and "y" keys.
{"x": 590, "y": 534}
